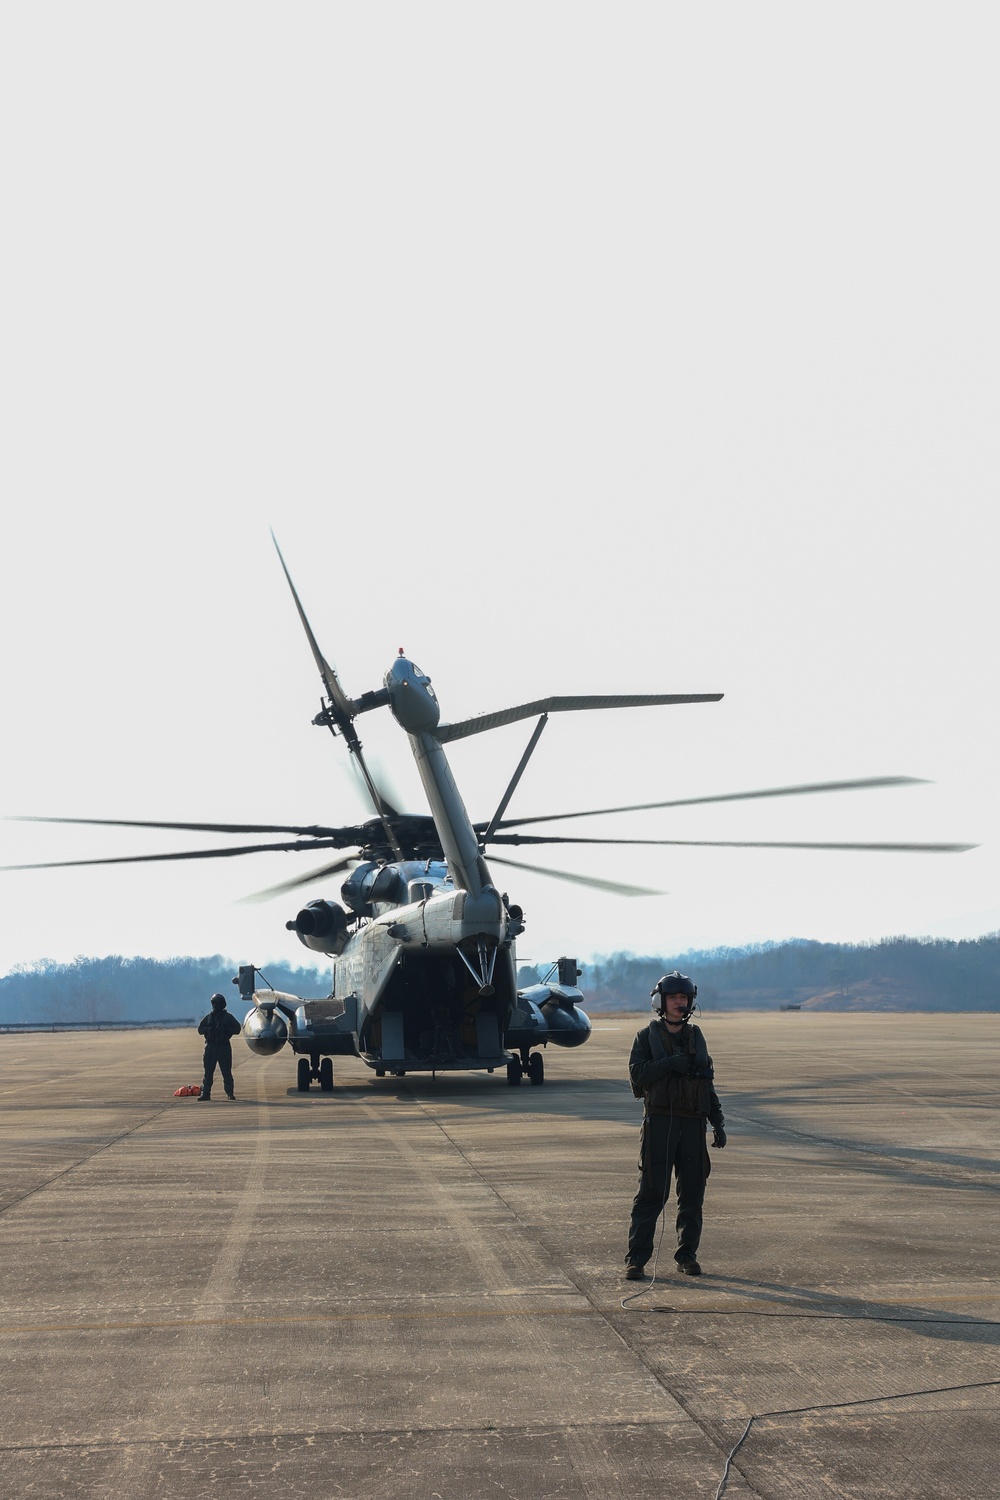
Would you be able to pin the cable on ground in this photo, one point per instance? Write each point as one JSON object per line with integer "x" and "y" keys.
{"x": 663, "y": 1221}
{"x": 799, "y": 1411}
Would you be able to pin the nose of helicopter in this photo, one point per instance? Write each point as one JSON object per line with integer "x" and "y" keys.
{"x": 411, "y": 696}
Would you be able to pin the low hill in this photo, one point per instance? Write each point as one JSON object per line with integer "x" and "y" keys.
{"x": 896, "y": 974}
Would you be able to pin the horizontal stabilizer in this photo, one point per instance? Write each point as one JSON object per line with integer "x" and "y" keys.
{"x": 482, "y": 722}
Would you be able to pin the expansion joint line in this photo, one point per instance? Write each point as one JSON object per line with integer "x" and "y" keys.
{"x": 83, "y": 1160}
{"x": 800, "y": 1411}
{"x": 473, "y": 1168}
{"x": 600, "y": 1312}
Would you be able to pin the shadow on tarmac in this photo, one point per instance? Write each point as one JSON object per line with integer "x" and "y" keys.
{"x": 894, "y": 1162}
{"x": 590, "y": 1099}
{"x": 780, "y": 1301}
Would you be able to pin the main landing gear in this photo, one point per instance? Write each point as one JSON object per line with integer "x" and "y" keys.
{"x": 531, "y": 1064}
{"x": 314, "y": 1067}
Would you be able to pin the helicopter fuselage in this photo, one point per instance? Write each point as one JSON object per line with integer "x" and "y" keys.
{"x": 423, "y": 959}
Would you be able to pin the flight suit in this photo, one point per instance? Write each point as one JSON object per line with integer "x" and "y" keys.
{"x": 673, "y": 1075}
{"x": 218, "y": 1027}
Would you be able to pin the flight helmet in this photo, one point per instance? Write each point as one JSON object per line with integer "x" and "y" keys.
{"x": 674, "y": 983}
{"x": 218, "y": 1002}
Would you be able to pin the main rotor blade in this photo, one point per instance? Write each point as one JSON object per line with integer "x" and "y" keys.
{"x": 284, "y": 886}
{"x": 145, "y": 859}
{"x": 775, "y": 791}
{"x": 895, "y": 848}
{"x": 482, "y": 722}
{"x": 615, "y": 887}
{"x": 312, "y": 831}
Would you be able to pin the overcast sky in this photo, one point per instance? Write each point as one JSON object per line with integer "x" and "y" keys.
{"x": 572, "y": 347}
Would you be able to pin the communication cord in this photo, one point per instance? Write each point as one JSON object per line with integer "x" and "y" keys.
{"x": 663, "y": 1222}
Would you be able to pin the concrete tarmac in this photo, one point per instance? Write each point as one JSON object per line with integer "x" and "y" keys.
{"x": 413, "y": 1288}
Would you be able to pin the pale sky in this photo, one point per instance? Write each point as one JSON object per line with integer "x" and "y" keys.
{"x": 572, "y": 347}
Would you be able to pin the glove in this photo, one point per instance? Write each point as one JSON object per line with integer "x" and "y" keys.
{"x": 679, "y": 1062}
{"x": 718, "y": 1136}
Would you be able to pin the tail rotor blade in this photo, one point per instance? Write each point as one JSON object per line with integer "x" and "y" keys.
{"x": 339, "y": 700}
{"x": 341, "y": 712}
{"x": 388, "y": 796}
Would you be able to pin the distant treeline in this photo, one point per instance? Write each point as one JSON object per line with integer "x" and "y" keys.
{"x": 136, "y": 989}
{"x": 897, "y": 973}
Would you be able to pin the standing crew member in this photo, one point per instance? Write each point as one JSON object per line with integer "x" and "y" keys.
{"x": 671, "y": 1071}
{"x": 217, "y": 1028}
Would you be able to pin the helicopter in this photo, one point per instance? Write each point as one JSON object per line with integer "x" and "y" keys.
{"x": 422, "y": 942}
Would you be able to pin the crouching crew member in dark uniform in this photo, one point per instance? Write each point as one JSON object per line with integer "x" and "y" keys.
{"x": 671, "y": 1071}
{"x": 218, "y": 1027}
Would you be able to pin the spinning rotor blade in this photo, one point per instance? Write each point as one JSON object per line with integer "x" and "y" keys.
{"x": 388, "y": 795}
{"x": 144, "y": 859}
{"x": 313, "y": 831}
{"x": 541, "y": 838}
{"x": 482, "y": 722}
{"x": 776, "y": 791}
{"x": 284, "y": 886}
{"x": 383, "y": 810}
{"x": 613, "y": 886}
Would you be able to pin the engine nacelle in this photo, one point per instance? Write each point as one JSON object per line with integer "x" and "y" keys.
{"x": 547, "y": 1013}
{"x": 569, "y": 1026}
{"x": 266, "y": 1030}
{"x": 321, "y": 926}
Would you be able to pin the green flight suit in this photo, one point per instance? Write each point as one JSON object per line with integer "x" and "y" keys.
{"x": 678, "y": 1106}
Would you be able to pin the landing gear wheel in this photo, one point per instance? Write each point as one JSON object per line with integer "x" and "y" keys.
{"x": 326, "y": 1075}
{"x": 304, "y": 1073}
{"x": 379, "y": 1072}
{"x": 536, "y": 1068}
{"x": 514, "y": 1072}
